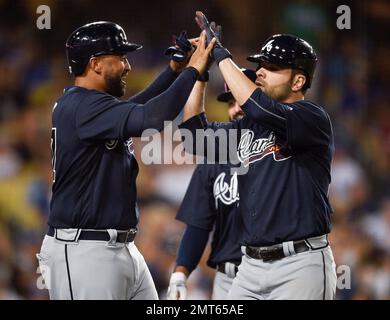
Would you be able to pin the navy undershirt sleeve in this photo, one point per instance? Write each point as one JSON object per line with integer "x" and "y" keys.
{"x": 164, "y": 107}
{"x": 191, "y": 247}
{"x": 159, "y": 85}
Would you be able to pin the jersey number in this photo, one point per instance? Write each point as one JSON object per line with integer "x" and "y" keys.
{"x": 53, "y": 143}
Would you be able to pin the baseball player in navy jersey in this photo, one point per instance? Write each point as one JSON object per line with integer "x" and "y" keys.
{"x": 211, "y": 204}
{"x": 286, "y": 144}
{"x": 88, "y": 252}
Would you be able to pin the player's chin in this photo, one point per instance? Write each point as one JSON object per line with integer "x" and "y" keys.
{"x": 238, "y": 116}
{"x": 117, "y": 92}
{"x": 116, "y": 86}
{"x": 123, "y": 87}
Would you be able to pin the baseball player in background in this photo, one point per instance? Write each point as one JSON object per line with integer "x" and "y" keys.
{"x": 286, "y": 143}
{"x": 88, "y": 252}
{"x": 210, "y": 204}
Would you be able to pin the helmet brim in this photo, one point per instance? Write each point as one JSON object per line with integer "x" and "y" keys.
{"x": 225, "y": 96}
{"x": 254, "y": 58}
{"x": 133, "y": 47}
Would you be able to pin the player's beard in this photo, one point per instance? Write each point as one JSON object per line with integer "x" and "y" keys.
{"x": 114, "y": 85}
{"x": 237, "y": 116}
{"x": 280, "y": 92}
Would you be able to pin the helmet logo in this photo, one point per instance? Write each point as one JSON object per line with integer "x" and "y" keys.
{"x": 122, "y": 37}
{"x": 268, "y": 46}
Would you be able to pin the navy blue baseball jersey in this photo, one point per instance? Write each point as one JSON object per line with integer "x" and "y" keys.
{"x": 93, "y": 161}
{"x": 212, "y": 202}
{"x": 94, "y": 167}
{"x": 287, "y": 148}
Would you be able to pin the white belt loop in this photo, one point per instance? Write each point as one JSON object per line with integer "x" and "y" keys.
{"x": 230, "y": 270}
{"x": 113, "y": 235}
{"x": 316, "y": 243}
{"x": 288, "y": 248}
{"x": 291, "y": 248}
{"x": 70, "y": 236}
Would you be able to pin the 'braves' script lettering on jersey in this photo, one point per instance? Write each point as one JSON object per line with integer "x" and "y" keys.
{"x": 129, "y": 146}
{"x": 227, "y": 193}
{"x": 111, "y": 144}
{"x": 250, "y": 150}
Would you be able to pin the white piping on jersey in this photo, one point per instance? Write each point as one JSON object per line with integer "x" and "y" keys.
{"x": 322, "y": 110}
{"x": 265, "y": 110}
{"x": 313, "y": 105}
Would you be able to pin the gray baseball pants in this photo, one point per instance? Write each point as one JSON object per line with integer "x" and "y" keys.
{"x": 98, "y": 270}
{"x": 309, "y": 275}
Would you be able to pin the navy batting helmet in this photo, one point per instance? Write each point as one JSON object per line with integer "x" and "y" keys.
{"x": 289, "y": 51}
{"x": 95, "y": 39}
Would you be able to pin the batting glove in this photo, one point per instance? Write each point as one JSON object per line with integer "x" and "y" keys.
{"x": 219, "y": 53}
{"x": 178, "y": 52}
{"x": 177, "y": 289}
{"x": 206, "y": 75}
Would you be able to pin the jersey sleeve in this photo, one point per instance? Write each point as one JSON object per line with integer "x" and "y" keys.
{"x": 269, "y": 113}
{"x": 103, "y": 117}
{"x": 197, "y": 208}
{"x": 308, "y": 125}
{"x": 301, "y": 124}
{"x": 191, "y": 247}
{"x": 159, "y": 85}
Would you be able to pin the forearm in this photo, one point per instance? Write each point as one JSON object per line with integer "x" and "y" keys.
{"x": 182, "y": 269}
{"x": 195, "y": 103}
{"x": 191, "y": 249}
{"x": 159, "y": 85}
{"x": 241, "y": 87}
{"x": 165, "y": 107}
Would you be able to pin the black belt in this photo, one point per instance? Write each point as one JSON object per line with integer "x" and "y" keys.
{"x": 275, "y": 252}
{"x": 221, "y": 267}
{"x": 122, "y": 236}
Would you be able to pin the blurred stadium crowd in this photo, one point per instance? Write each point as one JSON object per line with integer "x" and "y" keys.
{"x": 352, "y": 80}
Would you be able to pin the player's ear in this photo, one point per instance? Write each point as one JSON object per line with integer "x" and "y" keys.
{"x": 96, "y": 64}
{"x": 298, "y": 81}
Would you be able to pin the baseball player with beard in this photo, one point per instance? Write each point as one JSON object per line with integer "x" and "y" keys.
{"x": 210, "y": 205}
{"x": 286, "y": 145}
{"x": 89, "y": 252}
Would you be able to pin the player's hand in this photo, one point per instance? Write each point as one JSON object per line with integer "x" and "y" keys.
{"x": 180, "y": 52}
{"x": 218, "y": 32}
{"x": 177, "y": 289}
{"x": 200, "y": 57}
{"x": 219, "y": 53}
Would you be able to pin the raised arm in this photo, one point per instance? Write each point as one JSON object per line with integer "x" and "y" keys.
{"x": 159, "y": 85}
{"x": 166, "y": 106}
{"x": 195, "y": 103}
{"x": 181, "y": 45}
